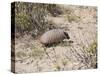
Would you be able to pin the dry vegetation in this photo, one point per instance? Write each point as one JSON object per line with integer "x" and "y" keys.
{"x": 33, "y": 19}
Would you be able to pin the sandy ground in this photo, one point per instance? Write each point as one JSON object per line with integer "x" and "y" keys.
{"x": 69, "y": 55}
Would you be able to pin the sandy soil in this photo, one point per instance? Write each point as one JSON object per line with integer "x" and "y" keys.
{"x": 71, "y": 54}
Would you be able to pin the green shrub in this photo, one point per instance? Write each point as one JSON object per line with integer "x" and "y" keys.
{"x": 30, "y": 17}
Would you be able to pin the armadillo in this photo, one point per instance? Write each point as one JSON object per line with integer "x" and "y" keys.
{"x": 54, "y": 36}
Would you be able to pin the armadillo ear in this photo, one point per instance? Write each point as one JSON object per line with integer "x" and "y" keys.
{"x": 66, "y": 34}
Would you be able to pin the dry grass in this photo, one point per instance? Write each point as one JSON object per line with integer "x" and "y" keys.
{"x": 80, "y": 52}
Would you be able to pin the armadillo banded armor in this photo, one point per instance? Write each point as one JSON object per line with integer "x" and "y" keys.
{"x": 52, "y": 36}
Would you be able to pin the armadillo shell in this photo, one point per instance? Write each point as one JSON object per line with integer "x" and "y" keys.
{"x": 52, "y": 36}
